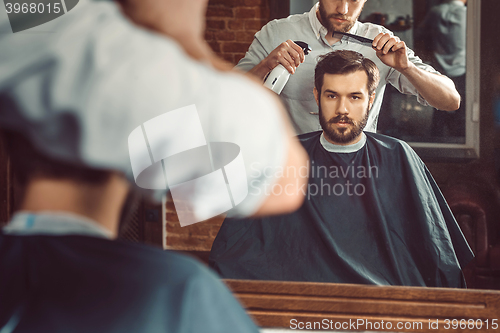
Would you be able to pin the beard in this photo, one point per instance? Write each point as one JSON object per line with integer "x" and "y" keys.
{"x": 344, "y": 27}
{"x": 342, "y": 135}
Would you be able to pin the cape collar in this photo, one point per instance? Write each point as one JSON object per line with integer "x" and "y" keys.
{"x": 54, "y": 224}
{"x": 333, "y": 148}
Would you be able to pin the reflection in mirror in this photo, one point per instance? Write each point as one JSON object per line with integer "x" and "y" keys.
{"x": 373, "y": 214}
{"x": 438, "y": 36}
{"x": 441, "y": 32}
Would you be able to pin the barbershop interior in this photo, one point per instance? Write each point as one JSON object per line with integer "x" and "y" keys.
{"x": 418, "y": 251}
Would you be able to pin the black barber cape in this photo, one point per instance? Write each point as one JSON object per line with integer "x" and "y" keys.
{"x": 52, "y": 284}
{"x": 376, "y": 216}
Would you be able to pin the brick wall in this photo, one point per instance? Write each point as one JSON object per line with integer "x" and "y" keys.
{"x": 231, "y": 25}
{"x": 195, "y": 237}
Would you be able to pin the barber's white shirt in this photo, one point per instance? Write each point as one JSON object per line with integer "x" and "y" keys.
{"x": 298, "y": 92}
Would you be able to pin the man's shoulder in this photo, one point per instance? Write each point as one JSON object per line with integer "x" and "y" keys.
{"x": 290, "y": 20}
{"x": 309, "y": 138}
{"x": 156, "y": 266}
{"x": 285, "y": 26}
{"x": 126, "y": 260}
{"x": 161, "y": 261}
{"x": 117, "y": 260}
{"x": 385, "y": 139}
{"x": 153, "y": 284}
{"x": 200, "y": 292}
{"x": 386, "y": 142}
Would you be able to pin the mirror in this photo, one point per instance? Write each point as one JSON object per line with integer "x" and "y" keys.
{"x": 446, "y": 173}
{"x": 466, "y": 145}
{"x": 435, "y": 135}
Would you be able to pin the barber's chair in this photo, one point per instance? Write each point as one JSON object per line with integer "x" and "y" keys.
{"x": 476, "y": 208}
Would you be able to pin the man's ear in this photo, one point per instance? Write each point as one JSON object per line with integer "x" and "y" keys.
{"x": 372, "y": 99}
{"x": 316, "y": 95}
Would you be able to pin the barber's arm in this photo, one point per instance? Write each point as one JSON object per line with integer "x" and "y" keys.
{"x": 288, "y": 54}
{"x": 438, "y": 90}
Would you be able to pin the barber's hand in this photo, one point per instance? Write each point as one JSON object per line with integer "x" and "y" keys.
{"x": 289, "y": 54}
{"x": 391, "y": 51}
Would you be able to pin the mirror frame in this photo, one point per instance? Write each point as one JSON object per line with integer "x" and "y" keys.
{"x": 274, "y": 304}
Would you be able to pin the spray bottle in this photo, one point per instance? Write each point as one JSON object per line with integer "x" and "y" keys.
{"x": 279, "y": 76}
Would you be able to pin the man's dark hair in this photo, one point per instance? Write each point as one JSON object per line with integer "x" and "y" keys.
{"x": 346, "y": 62}
{"x": 28, "y": 163}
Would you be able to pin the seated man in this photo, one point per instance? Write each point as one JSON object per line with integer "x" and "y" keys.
{"x": 373, "y": 213}
{"x": 61, "y": 270}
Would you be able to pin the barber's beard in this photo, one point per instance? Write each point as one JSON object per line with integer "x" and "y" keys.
{"x": 345, "y": 27}
{"x": 342, "y": 135}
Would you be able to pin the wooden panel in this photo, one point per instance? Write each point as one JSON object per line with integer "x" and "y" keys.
{"x": 152, "y": 217}
{"x": 144, "y": 220}
{"x": 6, "y": 190}
{"x": 132, "y": 211}
{"x": 276, "y": 304}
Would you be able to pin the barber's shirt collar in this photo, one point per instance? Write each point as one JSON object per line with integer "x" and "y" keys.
{"x": 54, "y": 224}
{"x": 320, "y": 30}
{"x": 333, "y": 148}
